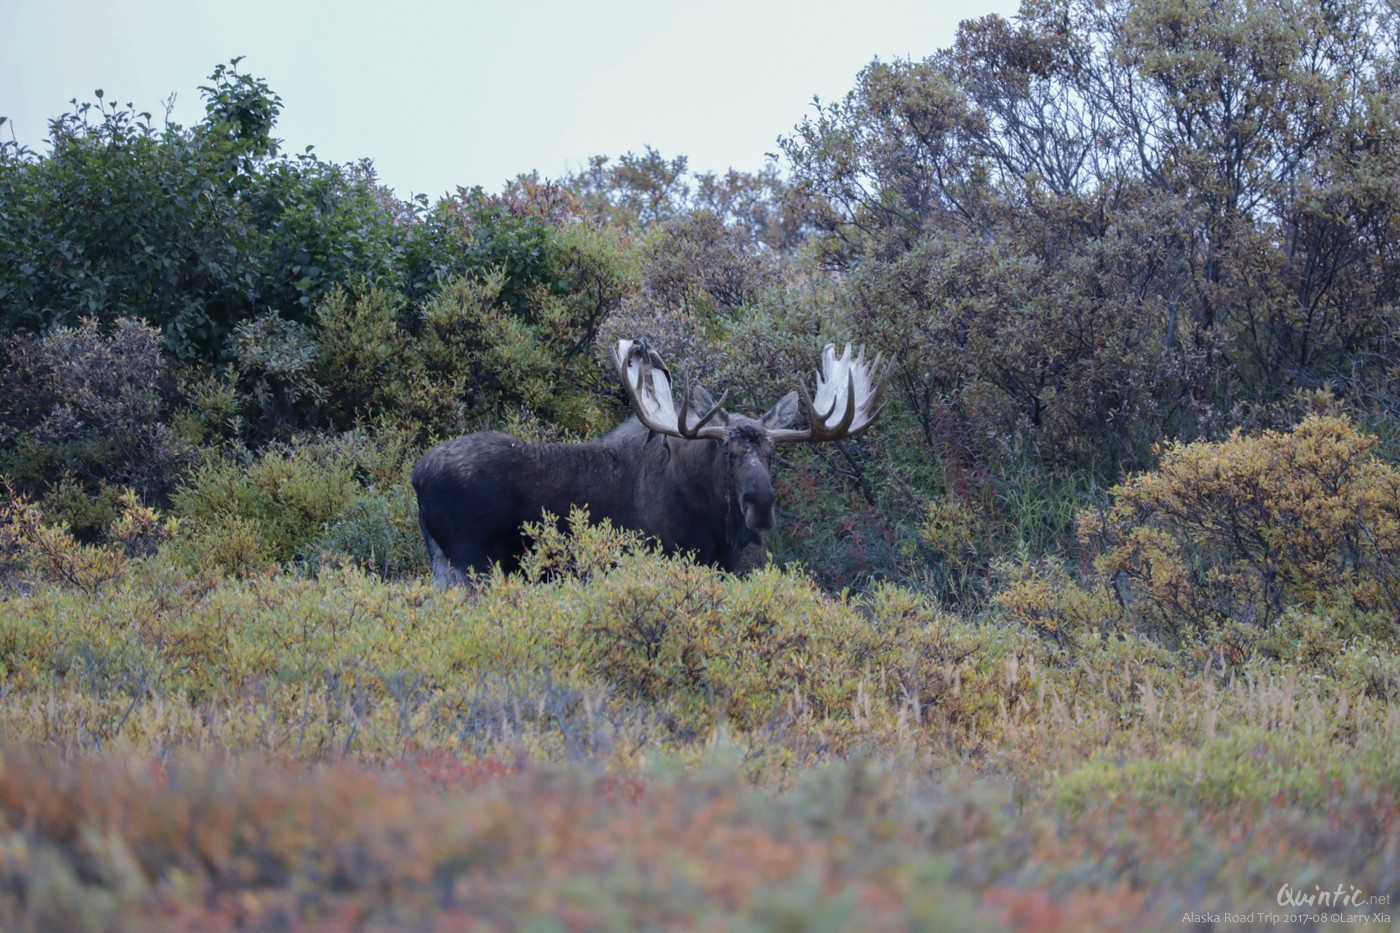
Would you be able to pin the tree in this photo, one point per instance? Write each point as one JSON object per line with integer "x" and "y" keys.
{"x": 1109, "y": 220}
{"x": 194, "y": 230}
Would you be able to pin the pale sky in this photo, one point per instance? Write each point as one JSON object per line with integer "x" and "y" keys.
{"x": 474, "y": 93}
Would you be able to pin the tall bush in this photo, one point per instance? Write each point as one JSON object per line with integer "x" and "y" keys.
{"x": 194, "y": 229}
{"x": 1103, "y": 223}
{"x": 1241, "y": 530}
{"x": 91, "y": 405}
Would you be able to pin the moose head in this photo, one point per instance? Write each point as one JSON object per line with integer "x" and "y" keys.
{"x": 847, "y": 401}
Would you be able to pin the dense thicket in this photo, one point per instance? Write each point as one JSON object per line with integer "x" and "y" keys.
{"x": 1093, "y": 228}
{"x": 1111, "y": 221}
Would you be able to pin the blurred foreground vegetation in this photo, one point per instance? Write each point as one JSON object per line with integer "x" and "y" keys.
{"x": 1097, "y": 627}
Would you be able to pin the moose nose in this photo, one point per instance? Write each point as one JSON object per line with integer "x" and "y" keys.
{"x": 758, "y": 507}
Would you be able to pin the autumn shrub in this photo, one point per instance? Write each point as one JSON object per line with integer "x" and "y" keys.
{"x": 426, "y": 841}
{"x": 1085, "y": 278}
{"x": 665, "y": 647}
{"x": 766, "y": 649}
{"x": 695, "y": 263}
{"x": 300, "y": 501}
{"x": 199, "y": 841}
{"x": 1024, "y": 340}
{"x": 376, "y": 529}
{"x": 667, "y": 631}
{"x": 841, "y": 538}
{"x": 478, "y": 354}
{"x": 1237, "y": 532}
{"x": 1045, "y": 596}
{"x": 1283, "y": 752}
{"x": 572, "y": 547}
{"x": 509, "y": 322}
{"x": 33, "y": 549}
{"x": 88, "y": 407}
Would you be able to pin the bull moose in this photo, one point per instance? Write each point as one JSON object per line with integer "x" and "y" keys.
{"x": 697, "y": 484}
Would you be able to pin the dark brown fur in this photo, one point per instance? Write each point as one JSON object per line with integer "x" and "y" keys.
{"x": 711, "y": 498}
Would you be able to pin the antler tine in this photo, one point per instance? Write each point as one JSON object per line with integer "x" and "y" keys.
{"x": 850, "y": 414}
{"x": 819, "y": 426}
{"x": 681, "y": 419}
{"x": 877, "y": 397}
{"x": 648, "y": 384}
{"x": 705, "y": 419}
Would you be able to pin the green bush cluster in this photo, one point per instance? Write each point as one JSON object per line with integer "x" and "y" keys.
{"x": 343, "y": 498}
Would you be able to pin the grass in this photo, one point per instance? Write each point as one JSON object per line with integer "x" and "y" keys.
{"x": 606, "y": 752}
{"x": 627, "y": 741}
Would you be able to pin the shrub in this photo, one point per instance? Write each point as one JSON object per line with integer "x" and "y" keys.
{"x": 345, "y": 496}
{"x": 286, "y": 497}
{"x": 1042, "y": 595}
{"x": 90, "y": 405}
{"x": 121, "y": 217}
{"x": 195, "y": 229}
{"x": 696, "y": 264}
{"x": 765, "y": 651}
{"x": 32, "y": 549}
{"x": 275, "y": 359}
{"x": 376, "y": 529}
{"x": 483, "y": 347}
{"x": 362, "y": 355}
{"x": 1243, "y": 529}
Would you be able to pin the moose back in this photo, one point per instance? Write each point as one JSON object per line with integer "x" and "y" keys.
{"x": 693, "y": 482}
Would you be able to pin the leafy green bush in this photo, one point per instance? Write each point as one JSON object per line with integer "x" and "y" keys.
{"x": 376, "y": 529}
{"x": 274, "y": 359}
{"x": 481, "y": 348}
{"x": 363, "y": 356}
{"x": 124, "y": 218}
{"x": 293, "y": 502}
{"x": 199, "y": 229}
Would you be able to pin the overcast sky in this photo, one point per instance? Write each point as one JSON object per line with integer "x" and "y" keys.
{"x": 476, "y": 92}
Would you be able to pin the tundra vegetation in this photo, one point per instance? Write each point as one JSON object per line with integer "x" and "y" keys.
{"x": 1095, "y": 628}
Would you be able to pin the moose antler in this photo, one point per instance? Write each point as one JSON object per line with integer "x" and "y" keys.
{"x": 846, "y": 402}
{"x": 648, "y": 383}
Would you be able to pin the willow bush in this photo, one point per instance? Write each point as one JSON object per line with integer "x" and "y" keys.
{"x": 1239, "y": 531}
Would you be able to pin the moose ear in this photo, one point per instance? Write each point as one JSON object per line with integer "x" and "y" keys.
{"x": 782, "y": 414}
{"x": 702, "y": 401}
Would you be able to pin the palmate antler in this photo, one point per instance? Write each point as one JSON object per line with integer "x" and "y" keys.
{"x": 847, "y": 401}
{"x": 648, "y": 383}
